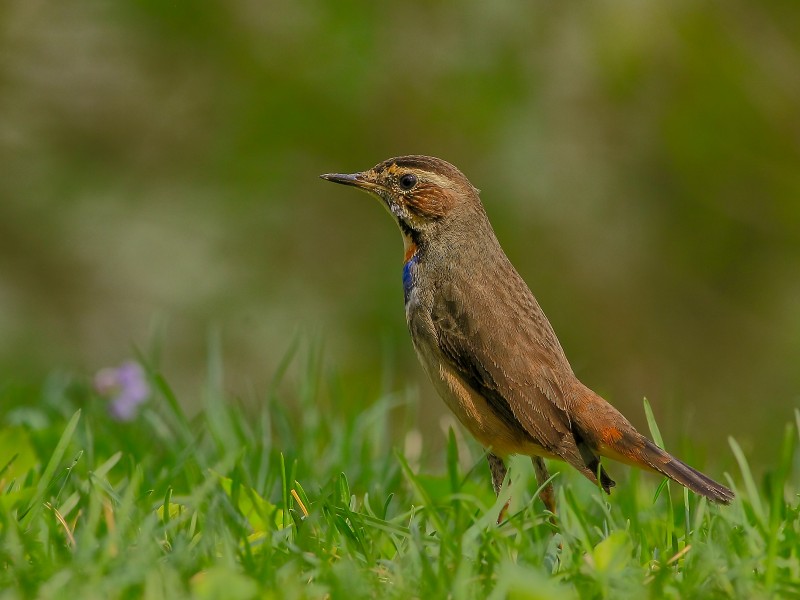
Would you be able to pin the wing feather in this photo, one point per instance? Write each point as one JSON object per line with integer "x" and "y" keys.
{"x": 477, "y": 333}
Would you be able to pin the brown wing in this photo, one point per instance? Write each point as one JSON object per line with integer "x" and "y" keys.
{"x": 502, "y": 345}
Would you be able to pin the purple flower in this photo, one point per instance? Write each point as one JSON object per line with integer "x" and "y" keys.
{"x": 127, "y": 388}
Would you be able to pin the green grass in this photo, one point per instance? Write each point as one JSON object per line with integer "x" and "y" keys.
{"x": 310, "y": 497}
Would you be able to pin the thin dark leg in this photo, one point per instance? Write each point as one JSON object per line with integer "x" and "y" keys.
{"x": 498, "y": 470}
{"x": 547, "y": 495}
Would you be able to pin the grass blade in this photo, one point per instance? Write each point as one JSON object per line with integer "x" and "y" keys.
{"x": 749, "y": 482}
{"x": 47, "y": 476}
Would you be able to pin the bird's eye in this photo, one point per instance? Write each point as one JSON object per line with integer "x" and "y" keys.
{"x": 408, "y": 181}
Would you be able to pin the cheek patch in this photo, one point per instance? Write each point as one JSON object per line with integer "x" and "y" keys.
{"x": 430, "y": 202}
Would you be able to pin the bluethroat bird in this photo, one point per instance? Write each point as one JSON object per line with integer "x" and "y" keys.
{"x": 487, "y": 346}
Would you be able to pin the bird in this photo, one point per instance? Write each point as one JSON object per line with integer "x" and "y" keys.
{"x": 488, "y": 347}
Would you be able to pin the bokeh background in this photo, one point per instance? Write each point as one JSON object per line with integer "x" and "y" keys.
{"x": 640, "y": 162}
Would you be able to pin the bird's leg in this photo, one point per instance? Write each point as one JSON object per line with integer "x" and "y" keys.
{"x": 498, "y": 470}
{"x": 547, "y": 494}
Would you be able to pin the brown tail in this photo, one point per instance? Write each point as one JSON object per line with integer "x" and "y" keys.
{"x": 610, "y": 434}
{"x": 687, "y": 476}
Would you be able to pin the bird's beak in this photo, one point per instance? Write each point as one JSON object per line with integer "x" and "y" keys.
{"x": 359, "y": 180}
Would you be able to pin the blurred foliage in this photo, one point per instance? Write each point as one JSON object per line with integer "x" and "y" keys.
{"x": 640, "y": 162}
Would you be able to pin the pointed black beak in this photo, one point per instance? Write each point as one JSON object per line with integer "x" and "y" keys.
{"x": 358, "y": 180}
{"x": 344, "y": 178}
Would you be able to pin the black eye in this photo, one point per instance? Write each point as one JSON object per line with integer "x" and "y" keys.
{"x": 408, "y": 181}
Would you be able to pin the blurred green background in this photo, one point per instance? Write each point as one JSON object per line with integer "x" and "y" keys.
{"x": 640, "y": 162}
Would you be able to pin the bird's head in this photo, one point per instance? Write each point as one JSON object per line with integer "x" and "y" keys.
{"x": 421, "y": 192}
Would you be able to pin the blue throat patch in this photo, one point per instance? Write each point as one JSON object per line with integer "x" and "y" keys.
{"x": 408, "y": 277}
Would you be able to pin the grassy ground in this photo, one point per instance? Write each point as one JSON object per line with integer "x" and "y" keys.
{"x": 308, "y": 498}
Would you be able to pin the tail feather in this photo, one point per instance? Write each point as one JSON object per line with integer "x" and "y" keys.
{"x": 668, "y": 465}
{"x": 603, "y": 429}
